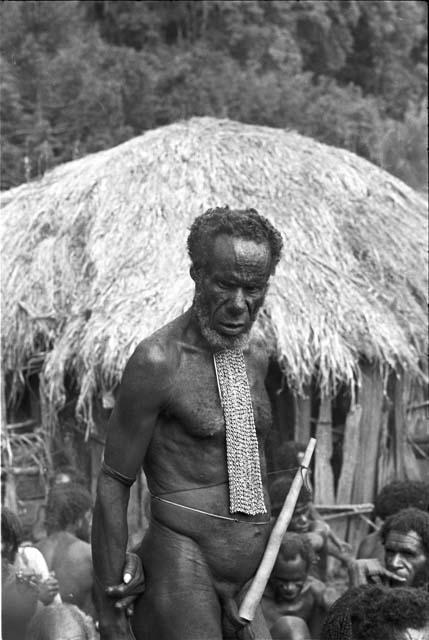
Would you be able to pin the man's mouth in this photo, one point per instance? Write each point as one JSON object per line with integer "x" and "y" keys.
{"x": 231, "y": 328}
{"x": 401, "y": 573}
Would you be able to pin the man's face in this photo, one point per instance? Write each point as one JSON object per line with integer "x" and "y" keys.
{"x": 288, "y": 578}
{"x": 300, "y": 521}
{"x": 406, "y": 557}
{"x": 231, "y": 290}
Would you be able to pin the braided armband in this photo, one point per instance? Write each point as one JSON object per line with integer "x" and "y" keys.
{"x": 125, "y": 480}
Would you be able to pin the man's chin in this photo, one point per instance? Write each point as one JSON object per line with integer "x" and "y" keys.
{"x": 218, "y": 341}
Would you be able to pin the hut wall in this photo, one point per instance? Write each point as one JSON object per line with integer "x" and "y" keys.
{"x": 345, "y": 481}
{"x": 324, "y": 478}
{"x": 303, "y": 418}
{"x": 364, "y": 482}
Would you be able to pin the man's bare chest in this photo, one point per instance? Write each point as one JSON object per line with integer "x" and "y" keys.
{"x": 195, "y": 401}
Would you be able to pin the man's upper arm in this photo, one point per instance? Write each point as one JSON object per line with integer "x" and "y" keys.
{"x": 144, "y": 389}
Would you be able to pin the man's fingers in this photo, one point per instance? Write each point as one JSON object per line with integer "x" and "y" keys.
{"x": 125, "y": 602}
{"x": 393, "y": 576}
{"x": 132, "y": 567}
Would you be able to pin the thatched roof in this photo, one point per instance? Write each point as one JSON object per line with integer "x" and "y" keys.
{"x": 94, "y": 255}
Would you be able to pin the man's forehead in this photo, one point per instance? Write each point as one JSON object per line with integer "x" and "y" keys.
{"x": 232, "y": 252}
{"x": 400, "y": 539}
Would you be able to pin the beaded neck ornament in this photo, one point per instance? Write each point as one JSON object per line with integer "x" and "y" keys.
{"x": 244, "y": 470}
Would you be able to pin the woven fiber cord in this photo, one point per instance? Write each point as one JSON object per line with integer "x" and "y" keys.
{"x": 244, "y": 470}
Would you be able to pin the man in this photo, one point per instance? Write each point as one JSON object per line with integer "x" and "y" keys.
{"x": 393, "y": 497}
{"x": 193, "y": 410}
{"x": 405, "y": 537}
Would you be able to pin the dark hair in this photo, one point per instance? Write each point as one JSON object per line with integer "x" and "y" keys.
{"x": 388, "y": 613}
{"x": 67, "y": 503}
{"x": 371, "y": 612}
{"x": 293, "y": 545}
{"x": 11, "y": 532}
{"x": 400, "y": 495}
{"x": 279, "y": 489}
{"x": 408, "y": 520}
{"x": 237, "y": 223}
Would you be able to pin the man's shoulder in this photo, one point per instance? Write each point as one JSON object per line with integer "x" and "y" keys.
{"x": 159, "y": 351}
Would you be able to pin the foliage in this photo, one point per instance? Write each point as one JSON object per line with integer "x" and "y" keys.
{"x": 78, "y": 77}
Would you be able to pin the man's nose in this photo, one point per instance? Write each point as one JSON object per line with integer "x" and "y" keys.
{"x": 237, "y": 302}
{"x": 396, "y": 561}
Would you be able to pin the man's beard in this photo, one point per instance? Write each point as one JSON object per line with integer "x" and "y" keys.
{"x": 216, "y": 341}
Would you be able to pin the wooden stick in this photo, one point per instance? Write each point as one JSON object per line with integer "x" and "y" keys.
{"x": 253, "y": 596}
{"x": 367, "y": 506}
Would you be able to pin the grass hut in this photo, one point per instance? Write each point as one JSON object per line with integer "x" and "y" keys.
{"x": 94, "y": 260}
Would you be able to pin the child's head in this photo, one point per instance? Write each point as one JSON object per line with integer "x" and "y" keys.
{"x": 278, "y": 492}
{"x": 293, "y": 564}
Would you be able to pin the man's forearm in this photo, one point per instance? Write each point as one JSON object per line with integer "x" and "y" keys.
{"x": 109, "y": 542}
{"x": 110, "y": 530}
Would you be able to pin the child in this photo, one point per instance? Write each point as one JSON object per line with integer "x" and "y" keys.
{"x": 291, "y": 591}
{"x": 307, "y": 521}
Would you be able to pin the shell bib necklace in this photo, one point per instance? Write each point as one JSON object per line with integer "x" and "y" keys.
{"x": 244, "y": 469}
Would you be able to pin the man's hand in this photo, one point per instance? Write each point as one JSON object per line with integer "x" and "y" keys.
{"x": 132, "y": 584}
{"x": 48, "y": 589}
{"x": 371, "y": 571}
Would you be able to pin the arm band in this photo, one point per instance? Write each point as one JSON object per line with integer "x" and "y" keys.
{"x": 116, "y": 475}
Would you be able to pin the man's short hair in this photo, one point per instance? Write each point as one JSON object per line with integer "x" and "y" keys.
{"x": 408, "y": 520}
{"x": 401, "y": 494}
{"x": 371, "y": 612}
{"x": 238, "y": 223}
{"x": 67, "y": 503}
{"x": 293, "y": 545}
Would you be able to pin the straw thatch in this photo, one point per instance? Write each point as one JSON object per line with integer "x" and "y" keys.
{"x": 94, "y": 255}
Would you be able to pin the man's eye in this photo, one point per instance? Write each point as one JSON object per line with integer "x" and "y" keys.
{"x": 222, "y": 284}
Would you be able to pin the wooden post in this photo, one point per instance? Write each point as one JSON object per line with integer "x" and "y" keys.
{"x": 10, "y": 498}
{"x": 302, "y": 418}
{"x": 364, "y": 484}
{"x": 386, "y": 466}
{"x": 345, "y": 481}
{"x": 324, "y": 477}
{"x": 404, "y": 457}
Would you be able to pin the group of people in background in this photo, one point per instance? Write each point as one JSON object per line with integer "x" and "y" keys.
{"x": 47, "y": 584}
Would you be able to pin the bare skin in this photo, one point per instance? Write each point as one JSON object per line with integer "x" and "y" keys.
{"x": 292, "y": 592}
{"x": 168, "y": 418}
{"x": 70, "y": 559}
